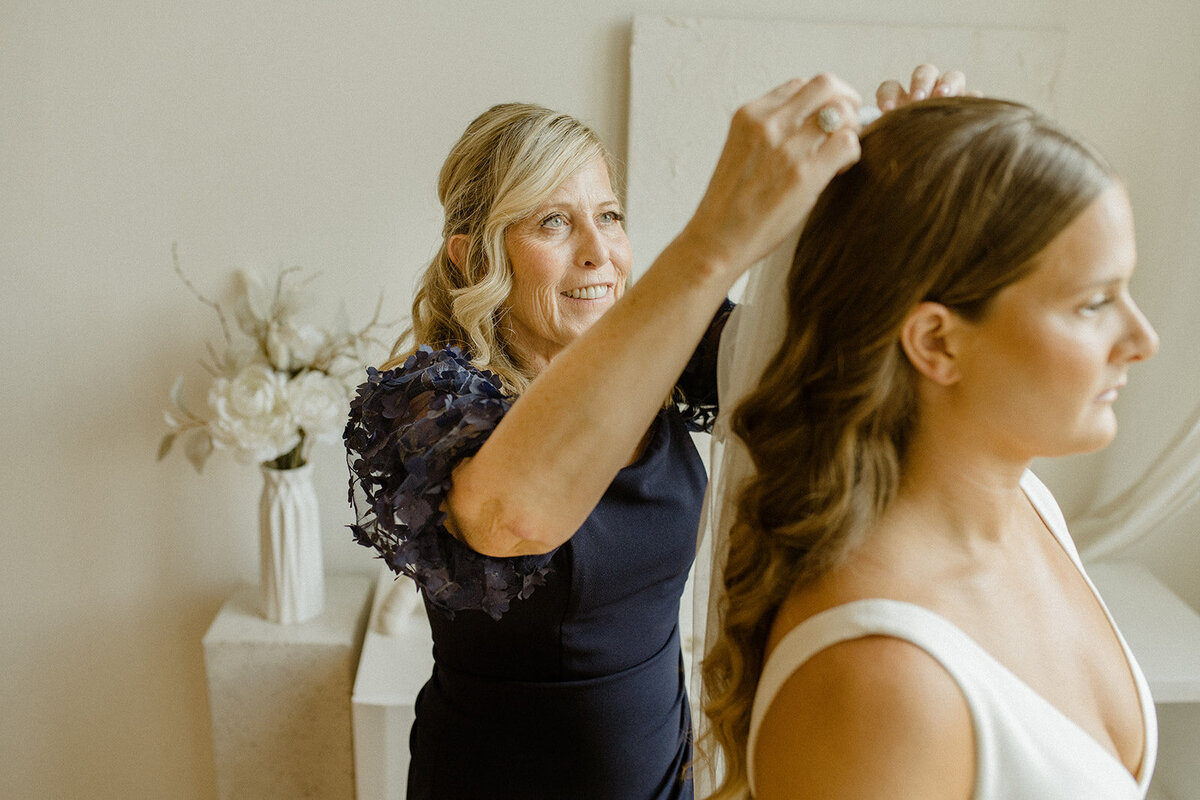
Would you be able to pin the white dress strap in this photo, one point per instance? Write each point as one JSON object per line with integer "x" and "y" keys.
{"x": 869, "y": 617}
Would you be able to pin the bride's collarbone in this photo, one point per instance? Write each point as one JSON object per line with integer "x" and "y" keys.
{"x": 1034, "y": 614}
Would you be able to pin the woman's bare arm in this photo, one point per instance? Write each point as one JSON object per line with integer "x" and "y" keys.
{"x": 549, "y": 461}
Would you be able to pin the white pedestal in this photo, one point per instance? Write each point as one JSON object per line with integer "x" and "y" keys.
{"x": 395, "y": 664}
{"x": 279, "y": 695}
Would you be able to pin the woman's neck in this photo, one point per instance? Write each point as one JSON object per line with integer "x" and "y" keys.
{"x": 953, "y": 486}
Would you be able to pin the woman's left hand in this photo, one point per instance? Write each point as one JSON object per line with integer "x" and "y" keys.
{"x": 927, "y": 81}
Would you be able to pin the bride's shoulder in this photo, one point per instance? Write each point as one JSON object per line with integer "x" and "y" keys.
{"x": 867, "y": 717}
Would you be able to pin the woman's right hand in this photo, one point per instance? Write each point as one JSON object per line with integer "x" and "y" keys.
{"x": 777, "y": 159}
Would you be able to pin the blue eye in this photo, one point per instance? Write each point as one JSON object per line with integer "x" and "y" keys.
{"x": 554, "y": 221}
{"x": 612, "y": 216}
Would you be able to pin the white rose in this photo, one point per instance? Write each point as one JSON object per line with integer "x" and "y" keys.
{"x": 294, "y": 347}
{"x": 250, "y": 415}
{"x": 348, "y": 371}
{"x": 319, "y": 404}
{"x": 306, "y": 341}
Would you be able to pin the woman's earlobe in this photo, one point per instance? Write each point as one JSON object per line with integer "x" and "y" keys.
{"x": 928, "y": 339}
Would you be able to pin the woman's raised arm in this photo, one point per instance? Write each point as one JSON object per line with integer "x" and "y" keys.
{"x": 551, "y": 458}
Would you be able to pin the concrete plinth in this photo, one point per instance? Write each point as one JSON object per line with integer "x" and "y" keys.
{"x": 279, "y": 695}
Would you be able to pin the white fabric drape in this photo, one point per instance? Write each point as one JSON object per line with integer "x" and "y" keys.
{"x": 1169, "y": 485}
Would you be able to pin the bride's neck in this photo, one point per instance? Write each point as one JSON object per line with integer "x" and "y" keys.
{"x": 964, "y": 489}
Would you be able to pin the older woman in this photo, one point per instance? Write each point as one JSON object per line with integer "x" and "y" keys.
{"x": 904, "y": 614}
{"x": 529, "y": 464}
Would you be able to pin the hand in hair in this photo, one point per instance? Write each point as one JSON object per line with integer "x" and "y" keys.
{"x": 927, "y": 81}
{"x": 776, "y": 161}
{"x": 528, "y": 489}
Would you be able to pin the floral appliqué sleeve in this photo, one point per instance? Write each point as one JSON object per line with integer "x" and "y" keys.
{"x": 409, "y": 427}
{"x": 696, "y": 390}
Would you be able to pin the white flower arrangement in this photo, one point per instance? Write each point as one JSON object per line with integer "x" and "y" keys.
{"x": 286, "y": 384}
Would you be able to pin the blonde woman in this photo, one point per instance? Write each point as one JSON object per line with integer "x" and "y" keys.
{"x": 522, "y": 466}
{"x": 904, "y": 614}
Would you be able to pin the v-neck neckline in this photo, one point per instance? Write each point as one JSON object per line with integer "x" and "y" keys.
{"x": 1067, "y": 548}
{"x": 1032, "y": 490}
{"x": 1024, "y": 687}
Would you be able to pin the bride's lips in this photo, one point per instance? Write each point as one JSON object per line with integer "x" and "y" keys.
{"x": 1109, "y": 395}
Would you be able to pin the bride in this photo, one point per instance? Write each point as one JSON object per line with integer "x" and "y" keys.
{"x": 901, "y": 611}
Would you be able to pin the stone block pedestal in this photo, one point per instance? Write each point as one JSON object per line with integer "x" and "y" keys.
{"x": 279, "y": 695}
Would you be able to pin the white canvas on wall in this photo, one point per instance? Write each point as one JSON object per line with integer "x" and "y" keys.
{"x": 688, "y": 76}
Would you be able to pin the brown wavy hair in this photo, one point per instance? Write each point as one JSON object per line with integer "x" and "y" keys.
{"x": 951, "y": 201}
{"x": 505, "y": 165}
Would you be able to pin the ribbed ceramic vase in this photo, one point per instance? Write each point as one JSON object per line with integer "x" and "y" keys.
{"x": 293, "y": 577}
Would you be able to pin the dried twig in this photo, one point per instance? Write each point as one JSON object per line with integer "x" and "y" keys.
{"x": 211, "y": 304}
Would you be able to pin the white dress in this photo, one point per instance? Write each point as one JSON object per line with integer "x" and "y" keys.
{"x": 1026, "y": 749}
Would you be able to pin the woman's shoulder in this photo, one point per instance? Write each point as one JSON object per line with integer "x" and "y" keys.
{"x": 845, "y": 662}
{"x": 432, "y": 394}
{"x": 868, "y": 716}
{"x": 428, "y": 381}
{"x": 449, "y": 366}
{"x": 840, "y": 669}
{"x": 410, "y": 425}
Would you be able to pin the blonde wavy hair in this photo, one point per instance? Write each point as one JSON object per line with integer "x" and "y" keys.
{"x": 951, "y": 201}
{"x": 507, "y": 162}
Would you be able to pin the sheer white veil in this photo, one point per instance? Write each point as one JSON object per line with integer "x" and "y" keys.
{"x": 751, "y": 336}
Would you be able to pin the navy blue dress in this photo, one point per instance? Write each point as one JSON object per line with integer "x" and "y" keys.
{"x": 556, "y": 676}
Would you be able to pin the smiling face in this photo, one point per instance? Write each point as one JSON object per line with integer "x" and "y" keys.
{"x": 1041, "y": 369}
{"x": 570, "y": 260}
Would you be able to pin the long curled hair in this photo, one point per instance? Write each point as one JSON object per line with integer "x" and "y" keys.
{"x": 505, "y": 165}
{"x": 951, "y": 201}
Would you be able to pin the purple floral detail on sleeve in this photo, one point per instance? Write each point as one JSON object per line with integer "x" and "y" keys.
{"x": 409, "y": 427}
{"x": 698, "y": 383}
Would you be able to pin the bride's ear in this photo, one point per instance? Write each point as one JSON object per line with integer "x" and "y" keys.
{"x": 930, "y": 336}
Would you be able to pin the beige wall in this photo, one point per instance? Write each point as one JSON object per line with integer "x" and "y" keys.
{"x": 309, "y": 133}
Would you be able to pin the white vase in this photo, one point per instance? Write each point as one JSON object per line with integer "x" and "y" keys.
{"x": 293, "y": 579}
